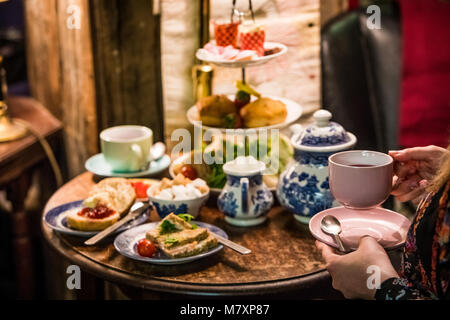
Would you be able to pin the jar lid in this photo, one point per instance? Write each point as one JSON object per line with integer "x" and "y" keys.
{"x": 323, "y": 134}
{"x": 244, "y": 166}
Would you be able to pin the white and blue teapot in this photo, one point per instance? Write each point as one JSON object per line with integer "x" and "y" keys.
{"x": 303, "y": 187}
{"x": 245, "y": 199}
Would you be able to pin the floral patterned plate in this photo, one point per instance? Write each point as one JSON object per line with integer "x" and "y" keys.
{"x": 126, "y": 244}
{"x": 56, "y": 219}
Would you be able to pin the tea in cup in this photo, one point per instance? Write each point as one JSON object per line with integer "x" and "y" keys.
{"x": 360, "y": 179}
{"x": 127, "y": 148}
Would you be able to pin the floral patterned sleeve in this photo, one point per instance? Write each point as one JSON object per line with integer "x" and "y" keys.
{"x": 397, "y": 289}
{"x": 426, "y": 258}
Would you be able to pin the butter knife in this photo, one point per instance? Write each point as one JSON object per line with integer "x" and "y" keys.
{"x": 136, "y": 210}
{"x": 232, "y": 245}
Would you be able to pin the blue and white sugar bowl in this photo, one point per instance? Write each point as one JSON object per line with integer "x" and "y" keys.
{"x": 303, "y": 187}
{"x": 245, "y": 199}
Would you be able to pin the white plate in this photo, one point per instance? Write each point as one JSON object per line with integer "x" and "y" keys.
{"x": 294, "y": 111}
{"x": 126, "y": 243}
{"x": 203, "y": 55}
{"x": 97, "y": 165}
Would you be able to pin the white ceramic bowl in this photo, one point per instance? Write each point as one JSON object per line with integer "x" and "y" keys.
{"x": 165, "y": 207}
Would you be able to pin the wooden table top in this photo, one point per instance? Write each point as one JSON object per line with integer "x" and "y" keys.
{"x": 16, "y": 156}
{"x": 283, "y": 255}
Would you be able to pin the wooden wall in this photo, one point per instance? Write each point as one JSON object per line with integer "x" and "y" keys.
{"x": 127, "y": 60}
{"x": 60, "y": 71}
{"x": 99, "y": 70}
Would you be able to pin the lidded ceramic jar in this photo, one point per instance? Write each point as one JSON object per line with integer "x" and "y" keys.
{"x": 303, "y": 187}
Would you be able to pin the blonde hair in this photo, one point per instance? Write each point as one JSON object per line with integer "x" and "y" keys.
{"x": 443, "y": 174}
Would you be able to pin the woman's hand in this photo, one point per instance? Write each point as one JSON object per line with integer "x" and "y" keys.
{"x": 350, "y": 272}
{"x": 414, "y": 168}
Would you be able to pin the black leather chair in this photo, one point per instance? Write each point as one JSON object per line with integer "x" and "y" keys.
{"x": 361, "y": 72}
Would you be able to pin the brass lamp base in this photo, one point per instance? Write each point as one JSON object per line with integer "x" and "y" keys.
{"x": 10, "y": 130}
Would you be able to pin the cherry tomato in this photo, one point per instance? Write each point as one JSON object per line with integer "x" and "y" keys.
{"x": 189, "y": 172}
{"x": 146, "y": 248}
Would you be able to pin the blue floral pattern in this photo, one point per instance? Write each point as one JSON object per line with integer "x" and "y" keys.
{"x": 262, "y": 202}
{"x": 333, "y": 137}
{"x": 227, "y": 203}
{"x": 245, "y": 201}
{"x": 301, "y": 193}
{"x": 165, "y": 210}
{"x": 235, "y": 181}
{"x": 312, "y": 158}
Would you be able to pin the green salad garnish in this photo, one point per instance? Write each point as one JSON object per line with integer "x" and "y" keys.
{"x": 170, "y": 241}
{"x": 167, "y": 227}
{"x": 187, "y": 217}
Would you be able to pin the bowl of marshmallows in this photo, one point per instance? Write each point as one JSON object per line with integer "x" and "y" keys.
{"x": 180, "y": 195}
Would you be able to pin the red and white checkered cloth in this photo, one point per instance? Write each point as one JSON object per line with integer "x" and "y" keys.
{"x": 253, "y": 40}
{"x": 226, "y": 34}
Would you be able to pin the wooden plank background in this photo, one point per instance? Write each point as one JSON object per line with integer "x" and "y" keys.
{"x": 61, "y": 73}
{"x": 127, "y": 60}
{"x": 93, "y": 78}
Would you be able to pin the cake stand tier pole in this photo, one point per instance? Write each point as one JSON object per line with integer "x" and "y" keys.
{"x": 243, "y": 75}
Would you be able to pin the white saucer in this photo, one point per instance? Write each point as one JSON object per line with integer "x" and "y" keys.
{"x": 97, "y": 165}
{"x": 204, "y": 55}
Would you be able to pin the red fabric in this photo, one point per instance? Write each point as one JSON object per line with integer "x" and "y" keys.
{"x": 425, "y": 87}
{"x": 353, "y": 4}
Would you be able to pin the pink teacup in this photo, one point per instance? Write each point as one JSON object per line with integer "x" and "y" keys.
{"x": 360, "y": 179}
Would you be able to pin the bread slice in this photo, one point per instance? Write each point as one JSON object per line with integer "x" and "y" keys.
{"x": 180, "y": 238}
{"x": 177, "y": 223}
{"x": 192, "y": 248}
{"x": 88, "y": 224}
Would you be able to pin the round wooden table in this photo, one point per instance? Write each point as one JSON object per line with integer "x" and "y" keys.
{"x": 283, "y": 262}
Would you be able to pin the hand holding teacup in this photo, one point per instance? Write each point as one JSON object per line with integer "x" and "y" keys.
{"x": 414, "y": 168}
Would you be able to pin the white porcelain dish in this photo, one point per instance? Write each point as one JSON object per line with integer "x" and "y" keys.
{"x": 205, "y": 56}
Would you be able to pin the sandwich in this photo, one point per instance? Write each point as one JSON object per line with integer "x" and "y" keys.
{"x": 178, "y": 238}
{"x": 108, "y": 201}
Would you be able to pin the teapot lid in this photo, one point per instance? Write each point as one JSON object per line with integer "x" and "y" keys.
{"x": 244, "y": 166}
{"x": 323, "y": 134}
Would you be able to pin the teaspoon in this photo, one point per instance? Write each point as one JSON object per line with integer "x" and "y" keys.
{"x": 332, "y": 226}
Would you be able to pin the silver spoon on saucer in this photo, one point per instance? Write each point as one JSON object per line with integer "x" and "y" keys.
{"x": 158, "y": 150}
{"x": 332, "y": 226}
